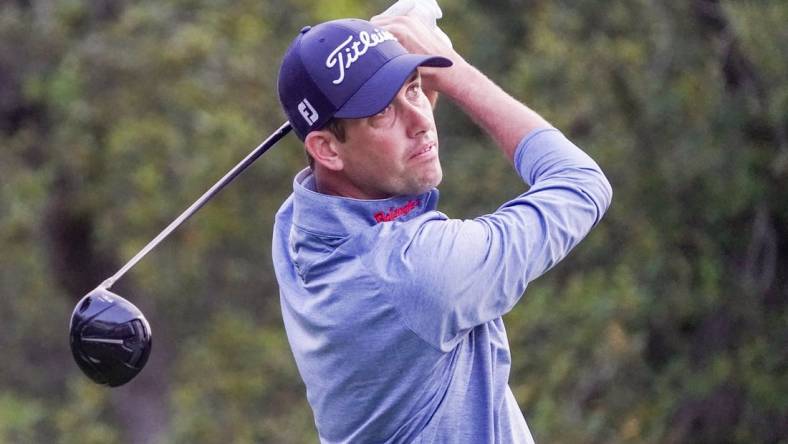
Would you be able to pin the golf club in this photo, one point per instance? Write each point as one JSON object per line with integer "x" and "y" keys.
{"x": 110, "y": 337}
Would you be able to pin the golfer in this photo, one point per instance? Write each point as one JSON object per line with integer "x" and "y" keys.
{"x": 393, "y": 309}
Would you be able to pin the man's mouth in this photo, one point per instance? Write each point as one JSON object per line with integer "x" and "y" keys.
{"x": 424, "y": 151}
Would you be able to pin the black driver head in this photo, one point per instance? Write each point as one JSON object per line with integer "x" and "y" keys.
{"x": 110, "y": 338}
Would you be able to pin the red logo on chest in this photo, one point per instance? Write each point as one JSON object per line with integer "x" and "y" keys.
{"x": 394, "y": 213}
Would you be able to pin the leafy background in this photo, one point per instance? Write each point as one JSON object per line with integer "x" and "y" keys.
{"x": 668, "y": 324}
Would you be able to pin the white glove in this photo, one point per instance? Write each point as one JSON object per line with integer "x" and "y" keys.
{"x": 426, "y": 11}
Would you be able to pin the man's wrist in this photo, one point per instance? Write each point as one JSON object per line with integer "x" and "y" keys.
{"x": 454, "y": 80}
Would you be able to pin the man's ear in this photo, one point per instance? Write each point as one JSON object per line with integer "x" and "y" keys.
{"x": 322, "y": 146}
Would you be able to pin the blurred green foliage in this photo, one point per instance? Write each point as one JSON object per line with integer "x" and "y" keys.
{"x": 668, "y": 324}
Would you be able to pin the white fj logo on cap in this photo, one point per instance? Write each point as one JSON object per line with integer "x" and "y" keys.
{"x": 308, "y": 112}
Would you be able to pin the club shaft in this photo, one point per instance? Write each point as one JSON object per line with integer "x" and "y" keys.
{"x": 232, "y": 174}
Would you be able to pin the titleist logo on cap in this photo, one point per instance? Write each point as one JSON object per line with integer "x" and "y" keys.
{"x": 349, "y": 51}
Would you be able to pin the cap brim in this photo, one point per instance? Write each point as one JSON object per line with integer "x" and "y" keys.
{"x": 380, "y": 90}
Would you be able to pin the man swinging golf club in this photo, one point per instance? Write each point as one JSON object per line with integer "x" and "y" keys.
{"x": 392, "y": 309}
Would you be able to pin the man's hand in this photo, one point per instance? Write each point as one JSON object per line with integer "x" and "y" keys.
{"x": 426, "y": 11}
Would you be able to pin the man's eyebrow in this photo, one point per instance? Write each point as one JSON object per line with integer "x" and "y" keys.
{"x": 413, "y": 76}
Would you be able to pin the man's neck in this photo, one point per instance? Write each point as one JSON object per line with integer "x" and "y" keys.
{"x": 335, "y": 184}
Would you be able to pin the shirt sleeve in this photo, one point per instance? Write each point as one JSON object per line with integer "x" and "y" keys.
{"x": 451, "y": 275}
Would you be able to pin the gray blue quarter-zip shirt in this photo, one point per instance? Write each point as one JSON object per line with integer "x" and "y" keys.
{"x": 393, "y": 310}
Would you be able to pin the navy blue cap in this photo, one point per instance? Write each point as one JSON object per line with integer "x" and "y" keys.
{"x": 343, "y": 68}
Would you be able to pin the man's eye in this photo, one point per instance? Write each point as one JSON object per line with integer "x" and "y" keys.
{"x": 415, "y": 88}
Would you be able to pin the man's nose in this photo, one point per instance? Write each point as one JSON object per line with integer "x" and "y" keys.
{"x": 418, "y": 117}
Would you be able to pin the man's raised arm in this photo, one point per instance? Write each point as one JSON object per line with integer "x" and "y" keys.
{"x": 506, "y": 119}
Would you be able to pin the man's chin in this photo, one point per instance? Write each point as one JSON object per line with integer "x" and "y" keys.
{"x": 428, "y": 183}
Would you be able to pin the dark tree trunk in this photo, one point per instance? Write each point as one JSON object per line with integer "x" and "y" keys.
{"x": 141, "y": 405}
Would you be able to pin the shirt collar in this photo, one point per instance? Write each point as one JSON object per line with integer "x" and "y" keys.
{"x": 335, "y": 215}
